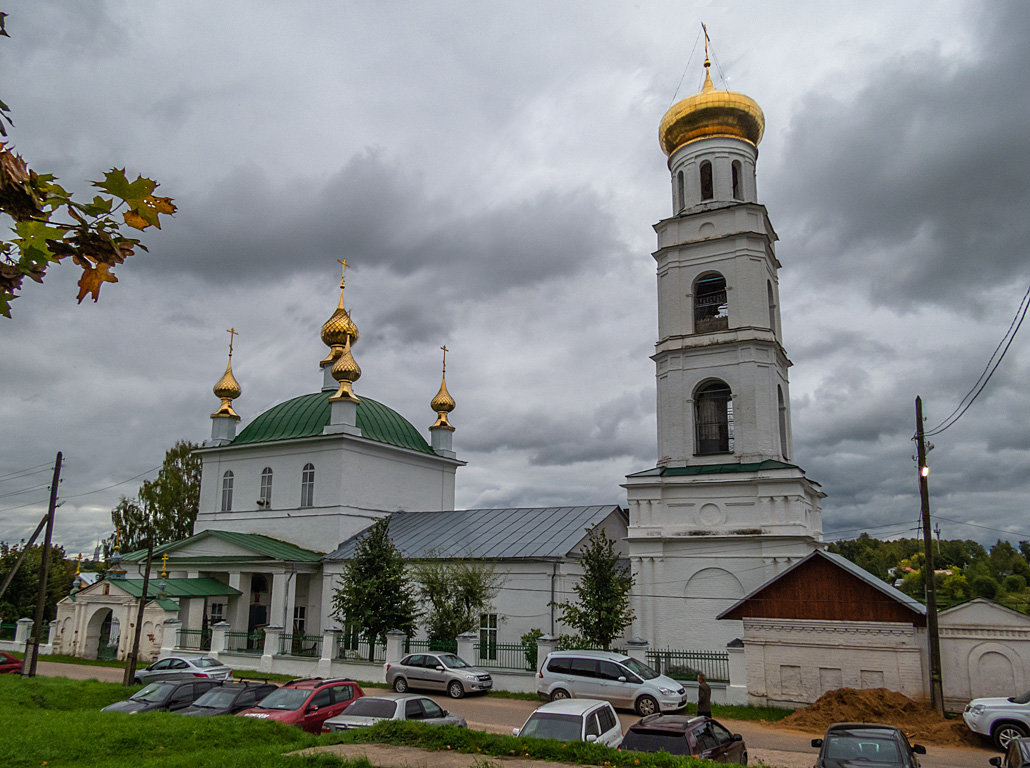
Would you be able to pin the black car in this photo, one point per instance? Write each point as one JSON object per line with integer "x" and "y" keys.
{"x": 229, "y": 698}
{"x": 866, "y": 744}
{"x": 1016, "y": 756}
{"x": 683, "y": 735}
{"x": 163, "y": 695}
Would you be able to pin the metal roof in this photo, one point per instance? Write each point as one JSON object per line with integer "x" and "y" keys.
{"x": 714, "y": 469}
{"x": 841, "y": 562}
{"x": 200, "y": 587}
{"x": 491, "y": 534}
{"x": 307, "y": 415}
{"x": 255, "y": 542}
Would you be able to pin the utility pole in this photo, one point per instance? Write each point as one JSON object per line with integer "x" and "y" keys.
{"x": 130, "y": 665}
{"x": 28, "y": 667}
{"x": 933, "y": 634}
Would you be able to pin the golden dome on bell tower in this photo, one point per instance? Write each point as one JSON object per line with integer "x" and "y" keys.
{"x": 711, "y": 113}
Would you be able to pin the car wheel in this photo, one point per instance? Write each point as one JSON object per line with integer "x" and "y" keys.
{"x": 1003, "y": 733}
{"x": 743, "y": 760}
{"x": 455, "y": 690}
{"x": 647, "y": 705}
{"x": 559, "y": 693}
{"x": 400, "y": 685}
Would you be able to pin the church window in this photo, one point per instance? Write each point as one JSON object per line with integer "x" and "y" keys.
{"x": 736, "y": 180}
{"x": 707, "y": 189}
{"x": 783, "y": 423}
{"x": 265, "y": 496}
{"x": 680, "y": 201}
{"x": 307, "y": 486}
{"x": 227, "y": 480}
{"x": 772, "y": 307}
{"x": 713, "y": 413}
{"x": 711, "y": 311}
{"x": 488, "y": 636}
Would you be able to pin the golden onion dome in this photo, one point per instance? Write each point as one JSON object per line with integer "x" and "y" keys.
{"x": 228, "y": 389}
{"x": 338, "y": 327}
{"x": 443, "y": 404}
{"x": 346, "y": 371}
{"x": 711, "y": 113}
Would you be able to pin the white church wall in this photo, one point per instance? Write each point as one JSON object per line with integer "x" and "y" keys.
{"x": 792, "y": 663}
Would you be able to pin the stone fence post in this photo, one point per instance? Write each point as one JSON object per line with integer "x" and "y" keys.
{"x": 170, "y": 637}
{"x": 467, "y": 647}
{"x": 51, "y": 638}
{"x": 329, "y": 644}
{"x": 544, "y": 645}
{"x": 637, "y": 649}
{"x": 218, "y": 637}
{"x": 271, "y": 647}
{"x": 23, "y": 630}
{"x": 395, "y": 639}
{"x": 736, "y": 691}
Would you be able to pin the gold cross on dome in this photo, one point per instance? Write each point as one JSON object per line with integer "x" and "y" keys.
{"x": 164, "y": 566}
{"x": 343, "y": 270}
{"x": 445, "y": 350}
{"x": 233, "y": 333}
{"x": 117, "y": 535}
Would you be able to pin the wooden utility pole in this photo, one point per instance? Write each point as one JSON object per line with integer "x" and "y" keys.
{"x": 130, "y": 665}
{"x": 28, "y": 667}
{"x": 933, "y": 634}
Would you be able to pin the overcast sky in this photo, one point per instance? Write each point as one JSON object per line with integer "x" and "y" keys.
{"x": 491, "y": 173}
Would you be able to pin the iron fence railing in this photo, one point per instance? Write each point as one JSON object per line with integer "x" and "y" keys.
{"x": 107, "y": 652}
{"x": 306, "y": 646}
{"x": 425, "y": 644}
{"x": 514, "y": 656}
{"x": 195, "y": 639}
{"x": 350, "y": 648}
{"x": 8, "y": 631}
{"x": 244, "y": 642}
{"x": 684, "y": 665}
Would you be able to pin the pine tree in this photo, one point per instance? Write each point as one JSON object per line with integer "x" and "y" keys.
{"x": 603, "y": 609}
{"x": 375, "y": 593}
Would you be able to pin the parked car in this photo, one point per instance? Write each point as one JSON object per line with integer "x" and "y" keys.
{"x": 9, "y": 662}
{"x": 163, "y": 695}
{"x": 438, "y": 672}
{"x": 307, "y": 702}
{"x": 230, "y": 697}
{"x": 882, "y": 746}
{"x": 1016, "y": 756}
{"x": 579, "y": 720}
{"x": 369, "y": 710}
{"x": 681, "y": 735}
{"x": 614, "y": 677}
{"x": 180, "y": 667}
{"x": 999, "y": 718}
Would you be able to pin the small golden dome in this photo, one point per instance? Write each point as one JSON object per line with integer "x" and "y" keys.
{"x": 338, "y": 327}
{"x": 711, "y": 113}
{"x": 442, "y": 403}
{"x": 346, "y": 371}
{"x": 228, "y": 389}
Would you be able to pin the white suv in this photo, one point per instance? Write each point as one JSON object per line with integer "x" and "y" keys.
{"x": 614, "y": 677}
{"x": 1001, "y": 719}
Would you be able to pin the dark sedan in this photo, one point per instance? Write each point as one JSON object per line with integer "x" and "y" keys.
{"x": 229, "y": 698}
{"x": 683, "y": 735}
{"x": 164, "y": 695}
{"x": 866, "y": 744}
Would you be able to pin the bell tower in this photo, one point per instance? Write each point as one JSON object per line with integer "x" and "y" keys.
{"x": 724, "y": 507}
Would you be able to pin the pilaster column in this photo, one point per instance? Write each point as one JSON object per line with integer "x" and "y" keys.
{"x": 218, "y": 637}
{"x": 467, "y": 647}
{"x": 51, "y": 637}
{"x": 736, "y": 691}
{"x": 280, "y": 611}
{"x": 325, "y": 663}
{"x": 637, "y": 649}
{"x": 239, "y": 607}
{"x": 271, "y": 648}
{"x": 170, "y": 638}
{"x": 395, "y": 646}
{"x": 23, "y": 630}
{"x": 544, "y": 645}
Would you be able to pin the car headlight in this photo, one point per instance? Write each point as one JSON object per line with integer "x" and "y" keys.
{"x": 976, "y": 709}
{"x": 470, "y": 677}
{"x": 665, "y": 691}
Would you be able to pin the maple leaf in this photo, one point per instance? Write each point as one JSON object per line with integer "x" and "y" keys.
{"x": 147, "y": 213}
{"x": 92, "y": 278}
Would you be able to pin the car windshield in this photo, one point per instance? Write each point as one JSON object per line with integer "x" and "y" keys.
{"x": 216, "y": 698}
{"x": 153, "y": 692}
{"x": 452, "y": 661}
{"x": 206, "y": 663}
{"x": 547, "y": 725}
{"x": 1024, "y": 699}
{"x": 639, "y": 668}
{"x": 369, "y": 706}
{"x": 285, "y": 698}
{"x": 656, "y": 741}
{"x": 867, "y": 748}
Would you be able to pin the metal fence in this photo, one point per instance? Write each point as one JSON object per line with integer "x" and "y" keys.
{"x": 684, "y": 665}
{"x": 244, "y": 642}
{"x": 106, "y": 652}
{"x": 305, "y": 646}
{"x": 514, "y": 656}
{"x": 437, "y": 646}
{"x": 359, "y": 649}
{"x": 195, "y": 639}
{"x": 8, "y": 631}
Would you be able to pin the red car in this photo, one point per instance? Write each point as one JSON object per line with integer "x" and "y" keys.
{"x": 307, "y": 702}
{"x": 9, "y": 662}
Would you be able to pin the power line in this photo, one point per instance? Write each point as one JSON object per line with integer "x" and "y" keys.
{"x": 985, "y": 527}
{"x": 24, "y": 490}
{"x": 115, "y": 485}
{"x": 26, "y": 472}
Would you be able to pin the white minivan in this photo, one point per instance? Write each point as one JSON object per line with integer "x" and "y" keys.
{"x": 614, "y": 677}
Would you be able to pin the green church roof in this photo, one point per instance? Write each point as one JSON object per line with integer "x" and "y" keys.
{"x": 307, "y": 415}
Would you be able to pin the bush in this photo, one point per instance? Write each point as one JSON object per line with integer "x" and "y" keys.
{"x": 530, "y": 648}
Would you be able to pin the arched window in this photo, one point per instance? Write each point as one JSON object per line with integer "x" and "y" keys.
{"x": 227, "y": 480}
{"x": 707, "y": 190}
{"x": 772, "y": 307}
{"x": 265, "y": 495}
{"x": 737, "y": 194}
{"x": 680, "y": 201}
{"x": 307, "y": 486}
{"x": 713, "y": 416}
{"x": 711, "y": 312}
{"x": 783, "y": 423}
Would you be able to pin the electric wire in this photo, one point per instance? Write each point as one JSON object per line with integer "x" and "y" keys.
{"x": 985, "y": 527}
{"x": 690, "y": 58}
{"x": 24, "y": 490}
{"x": 26, "y": 472}
{"x": 115, "y": 485}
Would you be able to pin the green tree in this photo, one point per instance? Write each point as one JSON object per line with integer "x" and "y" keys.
{"x": 19, "y": 601}
{"x": 169, "y": 503}
{"x": 455, "y": 593}
{"x": 602, "y": 610}
{"x": 374, "y": 591}
{"x": 50, "y": 225}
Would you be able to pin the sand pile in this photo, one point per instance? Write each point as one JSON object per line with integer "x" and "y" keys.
{"x": 879, "y": 705}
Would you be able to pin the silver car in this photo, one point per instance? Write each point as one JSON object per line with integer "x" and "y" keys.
{"x": 580, "y": 720}
{"x": 369, "y": 710}
{"x": 180, "y": 667}
{"x": 438, "y": 672}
